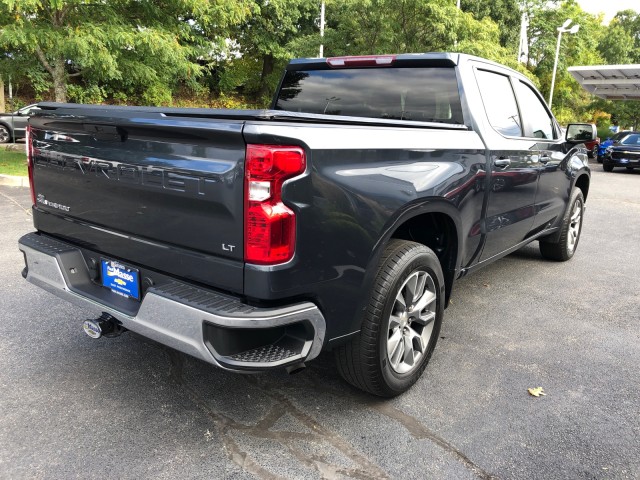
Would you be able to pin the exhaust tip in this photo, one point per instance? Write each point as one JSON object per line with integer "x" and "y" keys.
{"x": 296, "y": 368}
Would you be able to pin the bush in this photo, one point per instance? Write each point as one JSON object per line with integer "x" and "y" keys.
{"x": 91, "y": 94}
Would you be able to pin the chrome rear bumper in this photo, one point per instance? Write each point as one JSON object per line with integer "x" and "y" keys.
{"x": 208, "y": 325}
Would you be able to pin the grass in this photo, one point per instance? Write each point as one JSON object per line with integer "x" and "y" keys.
{"x": 13, "y": 163}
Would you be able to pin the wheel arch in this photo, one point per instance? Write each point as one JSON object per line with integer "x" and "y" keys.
{"x": 582, "y": 182}
{"x": 437, "y": 231}
{"x": 436, "y": 224}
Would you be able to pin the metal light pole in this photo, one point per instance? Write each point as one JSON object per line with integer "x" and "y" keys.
{"x": 322, "y": 29}
{"x": 563, "y": 29}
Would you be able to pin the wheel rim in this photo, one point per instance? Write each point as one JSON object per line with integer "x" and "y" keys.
{"x": 575, "y": 223}
{"x": 411, "y": 322}
{"x": 4, "y": 135}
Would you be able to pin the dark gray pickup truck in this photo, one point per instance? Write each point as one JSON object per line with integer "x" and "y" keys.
{"x": 338, "y": 219}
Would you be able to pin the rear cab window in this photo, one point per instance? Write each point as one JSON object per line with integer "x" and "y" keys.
{"x": 415, "y": 94}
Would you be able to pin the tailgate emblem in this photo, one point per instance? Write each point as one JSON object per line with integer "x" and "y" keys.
{"x": 228, "y": 248}
{"x": 41, "y": 199}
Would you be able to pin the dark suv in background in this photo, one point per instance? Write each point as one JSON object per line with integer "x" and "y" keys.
{"x": 624, "y": 152}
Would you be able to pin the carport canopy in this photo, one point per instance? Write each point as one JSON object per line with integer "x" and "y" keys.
{"x": 611, "y": 82}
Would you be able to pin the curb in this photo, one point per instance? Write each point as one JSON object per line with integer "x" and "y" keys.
{"x": 14, "y": 147}
{"x": 14, "y": 181}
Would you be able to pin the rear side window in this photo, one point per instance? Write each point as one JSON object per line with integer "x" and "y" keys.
{"x": 417, "y": 94}
{"x": 499, "y": 103}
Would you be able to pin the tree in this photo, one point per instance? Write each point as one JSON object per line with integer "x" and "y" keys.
{"x": 505, "y": 13}
{"x": 621, "y": 42}
{"x": 266, "y": 41}
{"x": 143, "y": 44}
{"x": 571, "y": 101}
{"x": 621, "y": 45}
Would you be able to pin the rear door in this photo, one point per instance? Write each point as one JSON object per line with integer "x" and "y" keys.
{"x": 514, "y": 162}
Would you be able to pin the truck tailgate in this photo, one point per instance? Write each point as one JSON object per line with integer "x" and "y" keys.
{"x": 161, "y": 190}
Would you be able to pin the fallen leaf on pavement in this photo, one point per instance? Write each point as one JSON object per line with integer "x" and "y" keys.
{"x": 536, "y": 392}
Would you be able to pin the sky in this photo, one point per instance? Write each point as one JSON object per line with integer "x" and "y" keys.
{"x": 610, "y": 7}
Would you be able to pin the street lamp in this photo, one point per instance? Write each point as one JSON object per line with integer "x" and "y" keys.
{"x": 322, "y": 29}
{"x": 563, "y": 29}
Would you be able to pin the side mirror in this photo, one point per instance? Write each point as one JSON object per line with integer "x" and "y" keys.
{"x": 580, "y": 132}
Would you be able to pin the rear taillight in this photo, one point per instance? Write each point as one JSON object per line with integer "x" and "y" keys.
{"x": 270, "y": 226}
{"x": 30, "y": 163}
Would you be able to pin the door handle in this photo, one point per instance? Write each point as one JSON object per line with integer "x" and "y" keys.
{"x": 502, "y": 162}
{"x": 545, "y": 159}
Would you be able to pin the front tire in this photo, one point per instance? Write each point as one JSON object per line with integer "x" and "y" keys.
{"x": 607, "y": 168}
{"x": 564, "y": 248}
{"x": 5, "y": 134}
{"x": 401, "y": 323}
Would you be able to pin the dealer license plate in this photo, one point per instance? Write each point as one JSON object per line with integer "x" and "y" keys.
{"x": 120, "y": 279}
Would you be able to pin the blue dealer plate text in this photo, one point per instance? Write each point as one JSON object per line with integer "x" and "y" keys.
{"x": 120, "y": 279}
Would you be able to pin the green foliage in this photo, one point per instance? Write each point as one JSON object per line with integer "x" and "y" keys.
{"x": 504, "y": 13}
{"x": 13, "y": 163}
{"x": 264, "y": 44}
{"x": 91, "y": 94}
{"x": 156, "y": 94}
{"x": 139, "y": 44}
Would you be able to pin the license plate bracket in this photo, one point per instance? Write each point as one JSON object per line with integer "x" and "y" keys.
{"x": 120, "y": 278}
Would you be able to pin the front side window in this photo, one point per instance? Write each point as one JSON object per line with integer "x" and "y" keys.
{"x": 29, "y": 110}
{"x": 538, "y": 122}
{"x": 417, "y": 94}
{"x": 499, "y": 103}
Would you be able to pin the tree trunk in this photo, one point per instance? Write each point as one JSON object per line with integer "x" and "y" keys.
{"x": 2, "y": 105}
{"x": 268, "y": 63}
{"x": 60, "y": 81}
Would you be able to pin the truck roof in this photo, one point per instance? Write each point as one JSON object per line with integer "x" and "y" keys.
{"x": 429, "y": 59}
{"x": 437, "y": 59}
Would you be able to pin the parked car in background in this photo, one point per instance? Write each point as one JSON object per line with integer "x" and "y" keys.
{"x": 616, "y": 137}
{"x": 623, "y": 153}
{"x": 592, "y": 147}
{"x": 13, "y": 125}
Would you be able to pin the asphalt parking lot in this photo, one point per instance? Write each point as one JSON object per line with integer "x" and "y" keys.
{"x": 73, "y": 407}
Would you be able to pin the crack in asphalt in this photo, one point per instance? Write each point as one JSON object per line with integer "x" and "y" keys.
{"x": 318, "y": 434}
{"x": 221, "y": 422}
{"x": 416, "y": 429}
{"x": 15, "y": 202}
{"x": 419, "y": 431}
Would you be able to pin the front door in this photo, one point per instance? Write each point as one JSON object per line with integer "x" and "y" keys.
{"x": 514, "y": 163}
{"x": 553, "y": 194}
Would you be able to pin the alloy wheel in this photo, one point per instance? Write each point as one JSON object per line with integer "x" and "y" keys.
{"x": 4, "y": 135}
{"x": 575, "y": 222}
{"x": 411, "y": 322}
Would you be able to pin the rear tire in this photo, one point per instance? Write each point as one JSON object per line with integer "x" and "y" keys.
{"x": 401, "y": 322}
{"x": 563, "y": 249}
{"x": 607, "y": 168}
